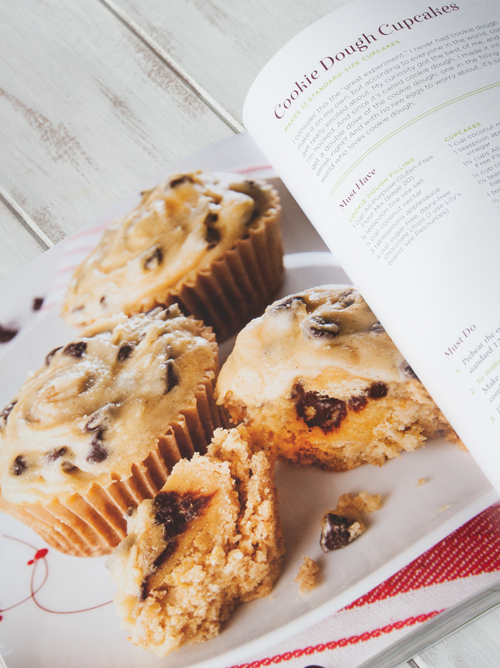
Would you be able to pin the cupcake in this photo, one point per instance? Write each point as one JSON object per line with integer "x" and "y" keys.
{"x": 99, "y": 427}
{"x": 209, "y": 242}
{"x": 318, "y": 376}
{"x": 209, "y": 540}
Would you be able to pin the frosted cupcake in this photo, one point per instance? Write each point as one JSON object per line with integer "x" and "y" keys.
{"x": 318, "y": 376}
{"x": 209, "y": 540}
{"x": 209, "y": 242}
{"x": 99, "y": 427}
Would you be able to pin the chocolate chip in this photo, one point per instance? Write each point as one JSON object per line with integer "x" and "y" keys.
{"x": 98, "y": 452}
{"x": 37, "y": 303}
{"x": 318, "y": 410}
{"x": 171, "y": 378}
{"x": 124, "y": 352}
{"x": 376, "y": 327}
{"x": 212, "y": 236}
{"x": 358, "y": 403}
{"x": 75, "y": 349}
{"x": 50, "y": 355}
{"x": 144, "y": 590}
{"x": 175, "y": 511}
{"x": 95, "y": 423}
{"x": 102, "y": 300}
{"x": 52, "y": 455}
{"x": 408, "y": 371}
{"x": 335, "y": 532}
{"x": 68, "y": 467}
{"x": 377, "y": 390}
{"x": 165, "y": 312}
{"x": 286, "y": 304}
{"x": 6, "y": 334}
{"x": 347, "y": 298}
{"x": 180, "y": 180}
{"x": 101, "y": 419}
{"x": 167, "y": 552}
{"x": 322, "y": 328}
{"x": 19, "y": 466}
{"x": 7, "y": 411}
{"x": 154, "y": 260}
{"x": 157, "y": 563}
{"x": 347, "y": 301}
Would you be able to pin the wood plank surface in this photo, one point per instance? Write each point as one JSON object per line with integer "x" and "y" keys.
{"x": 88, "y": 112}
{"x": 18, "y": 246}
{"x": 222, "y": 43}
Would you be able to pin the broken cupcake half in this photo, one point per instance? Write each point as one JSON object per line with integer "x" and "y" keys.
{"x": 209, "y": 540}
{"x": 319, "y": 377}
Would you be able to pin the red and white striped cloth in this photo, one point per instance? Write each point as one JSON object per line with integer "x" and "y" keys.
{"x": 465, "y": 562}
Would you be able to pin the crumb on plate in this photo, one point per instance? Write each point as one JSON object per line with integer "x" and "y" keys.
{"x": 306, "y": 577}
{"x": 443, "y": 508}
{"x": 341, "y": 526}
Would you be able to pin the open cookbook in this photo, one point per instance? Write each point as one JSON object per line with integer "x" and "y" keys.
{"x": 194, "y": 305}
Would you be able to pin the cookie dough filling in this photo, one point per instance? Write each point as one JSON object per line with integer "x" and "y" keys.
{"x": 210, "y": 539}
{"x": 179, "y": 227}
{"x": 318, "y": 375}
{"x": 100, "y": 404}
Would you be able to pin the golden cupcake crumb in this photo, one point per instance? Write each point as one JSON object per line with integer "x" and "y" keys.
{"x": 307, "y": 575}
{"x": 341, "y": 526}
{"x": 362, "y": 503}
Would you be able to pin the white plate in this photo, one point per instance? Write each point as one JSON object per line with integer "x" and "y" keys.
{"x": 411, "y": 520}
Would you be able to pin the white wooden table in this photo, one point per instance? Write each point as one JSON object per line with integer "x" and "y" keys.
{"x": 98, "y": 96}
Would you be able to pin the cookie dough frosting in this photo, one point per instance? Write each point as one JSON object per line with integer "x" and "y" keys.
{"x": 101, "y": 403}
{"x": 320, "y": 377}
{"x": 176, "y": 232}
{"x": 209, "y": 540}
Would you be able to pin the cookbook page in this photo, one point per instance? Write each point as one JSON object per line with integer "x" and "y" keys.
{"x": 383, "y": 121}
